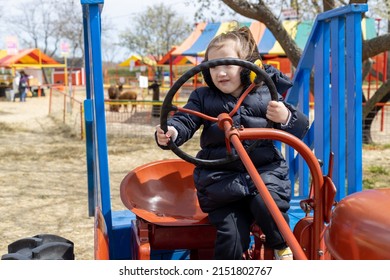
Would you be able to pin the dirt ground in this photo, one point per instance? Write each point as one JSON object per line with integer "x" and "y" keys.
{"x": 43, "y": 178}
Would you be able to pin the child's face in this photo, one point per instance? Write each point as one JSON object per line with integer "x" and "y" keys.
{"x": 226, "y": 77}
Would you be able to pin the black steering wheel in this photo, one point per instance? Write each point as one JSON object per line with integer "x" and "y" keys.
{"x": 167, "y": 106}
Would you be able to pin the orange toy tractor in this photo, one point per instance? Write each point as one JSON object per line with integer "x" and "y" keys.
{"x": 163, "y": 198}
{"x": 163, "y": 219}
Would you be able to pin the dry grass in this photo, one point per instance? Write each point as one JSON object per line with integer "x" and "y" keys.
{"x": 43, "y": 177}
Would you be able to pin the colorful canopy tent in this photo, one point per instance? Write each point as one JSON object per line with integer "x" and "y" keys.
{"x": 3, "y": 53}
{"x": 177, "y": 65}
{"x": 29, "y": 58}
{"x": 368, "y": 28}
{"x": 196, "y": 43}
{"x": 138, "y": 61}
{"x": 180, "y": 60}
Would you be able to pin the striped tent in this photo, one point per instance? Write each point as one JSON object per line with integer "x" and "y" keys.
{"x": 29, "y": 58}
{"x": 196, "y": 43}
{"x": 368, "y": 28}
{"x": 138, "y": 61}
{"x": 179, "y": 60}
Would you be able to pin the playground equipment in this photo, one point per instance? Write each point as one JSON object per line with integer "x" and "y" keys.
{"x": 163, "y": 219}
{"x": 331, "y": 217}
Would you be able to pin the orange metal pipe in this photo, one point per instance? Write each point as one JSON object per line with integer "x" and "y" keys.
{"x": 236, "y": 136}
{"x": 317, "y": 178}
{"x": 271, "y": 205}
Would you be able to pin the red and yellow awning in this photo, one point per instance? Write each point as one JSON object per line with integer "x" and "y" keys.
{"x": 29, "y": 58}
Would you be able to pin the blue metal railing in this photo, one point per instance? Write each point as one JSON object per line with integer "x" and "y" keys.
{"x": 333, "y": 56}
{"x": 96, "y": 138}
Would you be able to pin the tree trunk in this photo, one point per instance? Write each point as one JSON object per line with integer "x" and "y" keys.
{"x": 262, "y": 13}
{"x": 370, "y": 109}
{"x": 328, "y": 5}
{"x": 259, "y": 11}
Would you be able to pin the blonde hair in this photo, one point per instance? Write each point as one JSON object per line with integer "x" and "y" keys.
{"x": 246, "y": 45}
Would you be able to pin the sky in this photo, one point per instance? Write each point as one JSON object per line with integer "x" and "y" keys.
{"x": 119, "y": 12}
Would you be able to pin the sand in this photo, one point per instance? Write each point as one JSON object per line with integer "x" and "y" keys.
{"x": 43, "y": 177}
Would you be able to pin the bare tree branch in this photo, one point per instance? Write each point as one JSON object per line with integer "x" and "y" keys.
{"x": 262, "y": 13}
{"x": 376, "y": 46}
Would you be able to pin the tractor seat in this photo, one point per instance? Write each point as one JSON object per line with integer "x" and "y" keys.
{"x": 163, "y": 197}
{"x": 163, "y": 193}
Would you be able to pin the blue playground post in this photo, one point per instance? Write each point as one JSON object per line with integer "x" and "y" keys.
{"x": 333, "y": 56}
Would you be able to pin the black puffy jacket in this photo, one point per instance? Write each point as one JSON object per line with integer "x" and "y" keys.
{"x": 218, "y": 186}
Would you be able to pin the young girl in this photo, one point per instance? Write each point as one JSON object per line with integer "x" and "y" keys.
{"x": 227, "y": 192}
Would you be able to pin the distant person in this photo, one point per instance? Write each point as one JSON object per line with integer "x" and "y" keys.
{"x": 23, "y": 86}
{"x": 15, "y": 85}
{"x": 155, "y": 86}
